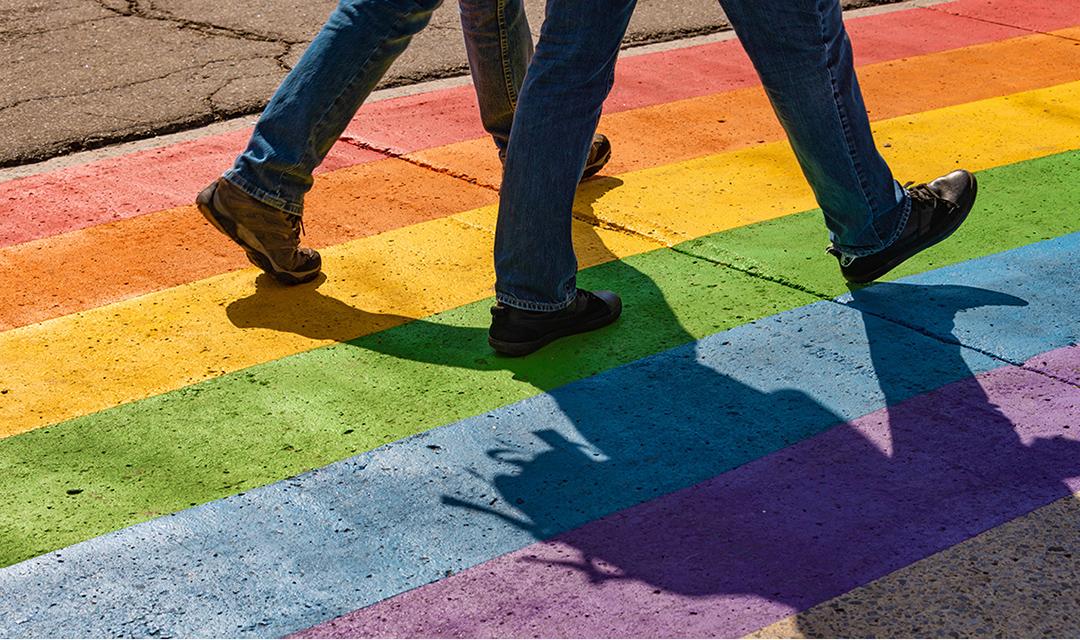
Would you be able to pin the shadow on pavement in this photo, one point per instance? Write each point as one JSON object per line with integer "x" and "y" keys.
{"x": 304, "y": 311}
{"x": 815, "y": 520}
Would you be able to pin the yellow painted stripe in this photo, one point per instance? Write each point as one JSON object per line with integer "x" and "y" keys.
{"x": 85, "y": 362}
{"x": 677, "y": 202}
{"x": 95, "y": 359}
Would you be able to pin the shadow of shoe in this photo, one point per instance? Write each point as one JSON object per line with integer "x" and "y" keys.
{"x": 303, "y": 310}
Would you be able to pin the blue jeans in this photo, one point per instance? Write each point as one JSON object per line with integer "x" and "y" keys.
{"x": 800, "y": 50}
{"x": 341, "y": 67}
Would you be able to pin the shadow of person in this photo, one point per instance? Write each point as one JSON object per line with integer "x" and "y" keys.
{"x": 801, "y": 525}
{"x": 303, "y": 310}
{"x": 958, "y": 459}
{"x": 795, "y": 527}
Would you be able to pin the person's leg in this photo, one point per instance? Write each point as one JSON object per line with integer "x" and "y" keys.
{"x": 258, "y": 203}
{"x": 499, "y": 47}
{"x": 570, "y": 76}
{"x": 319, "y": 97}
{"x": 802, "y": 53}
{"x": 558, "y": 110}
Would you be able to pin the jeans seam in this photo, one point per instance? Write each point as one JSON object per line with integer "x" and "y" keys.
{"x": 504, "y": 53}
{"x": 845, "y": 125}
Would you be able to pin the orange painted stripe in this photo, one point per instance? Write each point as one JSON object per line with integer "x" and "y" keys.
{"x": 107, "y": 263}
{"x": 111, "y": 262}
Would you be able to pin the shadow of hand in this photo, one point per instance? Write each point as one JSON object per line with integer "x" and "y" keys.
{"x": 932, "y": 306}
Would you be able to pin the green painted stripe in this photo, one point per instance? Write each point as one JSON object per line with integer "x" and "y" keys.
{"x": 1018, "y": 204}
{"x": 269, "y": 422}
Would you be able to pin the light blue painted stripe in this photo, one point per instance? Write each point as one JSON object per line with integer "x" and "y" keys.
{"x": 1046, "y": 275}
{"x": 295, "y": 553}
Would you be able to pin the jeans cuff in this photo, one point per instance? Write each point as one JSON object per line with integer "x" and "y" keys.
{"x": 528, "y": 305}
{"x": 901, "y": 212}
{"x": 293, "y": 208}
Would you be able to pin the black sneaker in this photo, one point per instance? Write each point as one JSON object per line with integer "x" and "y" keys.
{"x": 599, "y": 155}
{"x": 937, "y": 210}
{"x": 517, "y": 333}
{"x": 270, "y": 237}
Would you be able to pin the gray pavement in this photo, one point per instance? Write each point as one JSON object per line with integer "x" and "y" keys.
{"x": 86, "y": 73}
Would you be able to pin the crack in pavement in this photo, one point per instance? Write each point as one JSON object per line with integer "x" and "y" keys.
{"x": 135, "y": 9}
{"x": 941, "y": 9}
{"x": 390, "y": 153}
{"x": 135, "y": 83}
{"x": 591, "y": 220}
{"x": 211, "y": 99}
{"x": 598, "y": 222}
{"x": 285, "y": 66}
{"x": 784, "y": 282}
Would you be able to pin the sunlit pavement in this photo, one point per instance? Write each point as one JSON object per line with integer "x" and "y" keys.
{"x": 191, "y": 450}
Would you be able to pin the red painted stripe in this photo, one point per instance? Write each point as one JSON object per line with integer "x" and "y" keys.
{"x": 127, "y": 186}
{"x": 1048, "y": 15}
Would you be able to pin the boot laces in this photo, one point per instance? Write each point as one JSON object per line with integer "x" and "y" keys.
{"x": 297, "y": 223}
{"x": 923, "y": 192}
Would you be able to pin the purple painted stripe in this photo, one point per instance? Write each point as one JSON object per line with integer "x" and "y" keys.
{"x": 780, "y": 534}
{"x": 1060, "y": 363}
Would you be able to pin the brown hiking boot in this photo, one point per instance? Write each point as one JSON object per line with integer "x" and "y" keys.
{"x": 599, "y": 155}
{"x": 269, "y": 236}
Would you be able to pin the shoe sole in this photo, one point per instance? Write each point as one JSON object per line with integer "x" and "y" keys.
{"x": 518, "y": 349}
{"x": 965, "y": 207}
{"x": 228, "y": 227}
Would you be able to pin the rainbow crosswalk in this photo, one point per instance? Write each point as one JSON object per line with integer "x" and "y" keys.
{"x": 188, "y": 449}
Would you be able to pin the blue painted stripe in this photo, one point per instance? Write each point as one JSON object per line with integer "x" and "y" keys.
{"x": 301, "y": 551}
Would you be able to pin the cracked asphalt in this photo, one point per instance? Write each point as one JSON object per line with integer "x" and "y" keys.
{"x": 82, "y": 74}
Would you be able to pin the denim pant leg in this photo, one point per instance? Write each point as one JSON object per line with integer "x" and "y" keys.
{"x": 319, "y": 97}
{"x": 499, "y": 47}
{"x": 557, "y": 112}
{"x": 802, "y": 53}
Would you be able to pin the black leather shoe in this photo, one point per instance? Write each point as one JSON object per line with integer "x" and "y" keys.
{"x": 515, "y": 332}
{"x": 937, "y": 210}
